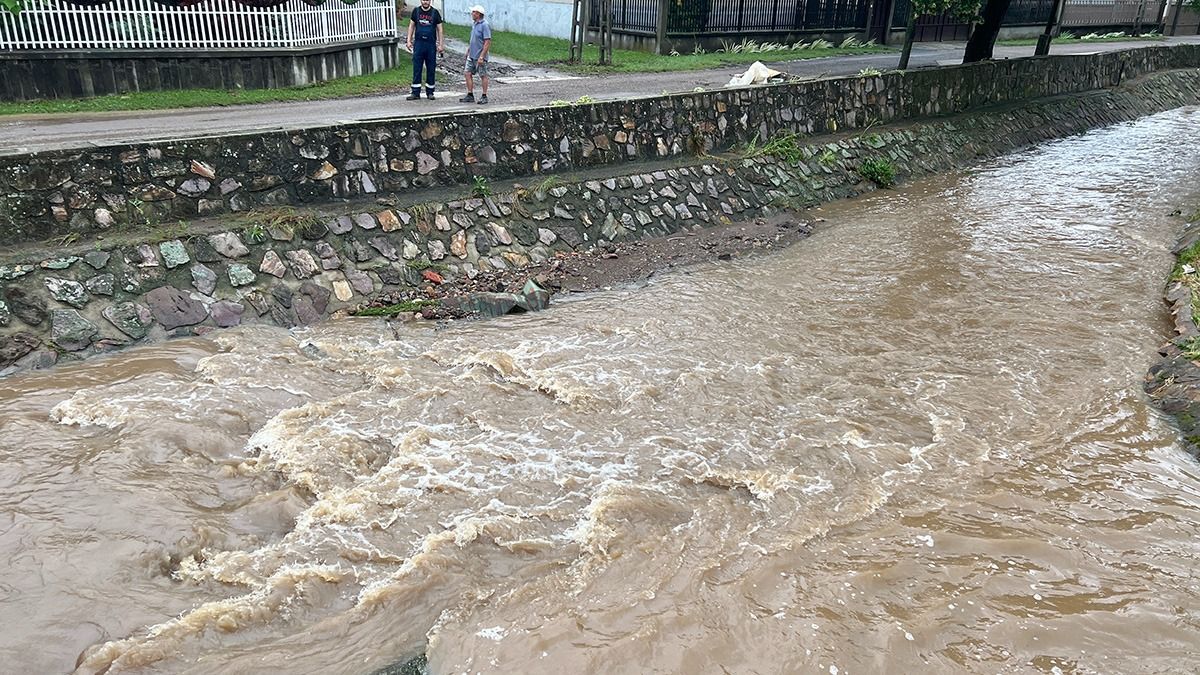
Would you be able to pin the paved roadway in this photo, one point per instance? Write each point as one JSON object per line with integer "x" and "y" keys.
{"x": 525, "y": 88}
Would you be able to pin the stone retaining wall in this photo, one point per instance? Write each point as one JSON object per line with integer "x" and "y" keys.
{"x": 1174, "y": 382}
{"x": 86, "y": 301}
{"x": 49, "y": 195}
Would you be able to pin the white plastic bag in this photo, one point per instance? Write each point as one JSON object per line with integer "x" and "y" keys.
{"x": 756, "y": 74}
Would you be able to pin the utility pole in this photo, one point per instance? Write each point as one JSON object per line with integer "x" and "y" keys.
{"x": 1043, "y": 43}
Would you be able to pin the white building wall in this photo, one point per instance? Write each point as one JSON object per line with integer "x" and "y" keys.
{"x": 551, "y": 18}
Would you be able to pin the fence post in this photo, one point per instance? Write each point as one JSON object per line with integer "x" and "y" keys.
{"x": 576, "y": 48}
{"x": 660, "y": 30}
{"x": 889, "y": 18}
{"x": 1141, "y": 14}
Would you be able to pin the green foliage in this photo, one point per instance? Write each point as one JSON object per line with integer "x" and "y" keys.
{"x": 1187, "y": 260}
{"x": 13, "y": 6}
{"x": 1190, "y": 348}
{"x": 398, "y": 308}
{"x": 282, "y": 217}
{"x": 480, "y": 187}
{"x": 879, "y": 171}
{"x": 967, "y": 10}
{"x": 256, "y": 234}
{"x": 1089, "y": 37}
{"x": 582, "y": 100}
{"x": 546, "y": 184}
{"x": 787, "y": 147}
{"x": 870, "y": 72}
{"x": 139, "y": 213}
{"x": 423, "y": 211}
{"x": 747, "y": 46}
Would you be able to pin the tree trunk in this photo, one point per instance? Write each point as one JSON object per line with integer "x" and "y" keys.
{"x": 983, "y": 39}
{"x": 910, "y": 32}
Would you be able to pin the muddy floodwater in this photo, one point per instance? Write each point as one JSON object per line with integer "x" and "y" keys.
{"x": 915, "y": 442}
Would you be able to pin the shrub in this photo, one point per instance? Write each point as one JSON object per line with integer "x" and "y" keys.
{"x": 879, "y": 171}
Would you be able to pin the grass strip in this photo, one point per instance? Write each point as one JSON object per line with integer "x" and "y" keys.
{"x": 399, "y": 308}
{"x": 1074, "y": 39}
{"x": 538, "y": 50}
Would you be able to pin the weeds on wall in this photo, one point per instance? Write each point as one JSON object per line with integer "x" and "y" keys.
{"x": 480, "y": 187}
{"x": 879, "y": 171}
{"x": 787, "y": 148}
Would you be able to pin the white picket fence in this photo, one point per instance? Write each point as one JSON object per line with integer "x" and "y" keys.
{"x": 212, "y": 24}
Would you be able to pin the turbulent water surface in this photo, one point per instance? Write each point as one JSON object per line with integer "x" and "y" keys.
{"x": 915, "y": 442}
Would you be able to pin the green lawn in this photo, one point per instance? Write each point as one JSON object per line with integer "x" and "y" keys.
{"x": 397, "y": 79}
{"x": 1073, "y": 39}
{"x": 552, "y": 51}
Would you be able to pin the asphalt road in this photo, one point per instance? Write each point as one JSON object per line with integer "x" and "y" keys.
{"x": 523, "y": 89}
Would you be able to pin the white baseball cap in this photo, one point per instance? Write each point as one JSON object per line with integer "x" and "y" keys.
{"x": 477, "y": 8}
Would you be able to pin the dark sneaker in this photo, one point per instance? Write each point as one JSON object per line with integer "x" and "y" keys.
{"x": 429, "y": 95}
{"x": 483, "y": 99}
{"x": 469, "y": 98}
{"x": 413, "y": 97}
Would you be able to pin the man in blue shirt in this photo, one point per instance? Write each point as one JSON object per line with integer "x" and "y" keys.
{"x": 477, "y": 55}
{"x": 426, "y": 42}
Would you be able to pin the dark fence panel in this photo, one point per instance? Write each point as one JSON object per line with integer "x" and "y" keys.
{"x": 717, "y": 17}
{"x": 629, "y": 16}
{"x": 707, "y": 18}
{"x": 1028, "y": 13}
{"x": 1020, "y": 13}
{"x": 1114, "y": 13}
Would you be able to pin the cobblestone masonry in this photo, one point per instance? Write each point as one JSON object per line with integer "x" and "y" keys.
{"x": 49, "y": 195}
{"x": 86, "y": 301}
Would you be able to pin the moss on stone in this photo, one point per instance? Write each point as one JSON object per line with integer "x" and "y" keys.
{"x": 398, "y": 308}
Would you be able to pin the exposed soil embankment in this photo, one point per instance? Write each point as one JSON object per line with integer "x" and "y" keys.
{"x": 604, "y": 266}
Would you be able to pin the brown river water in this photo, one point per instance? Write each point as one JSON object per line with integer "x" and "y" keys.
{"x": 915, "y": 442}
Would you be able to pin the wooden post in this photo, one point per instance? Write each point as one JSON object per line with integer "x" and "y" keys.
{"x": 888, "y": 18}
{"x": 870, "y": 20}
{"x": 910, "y": 32}
{"x": 605, "y": 32}
{"x": 660, "y": 29}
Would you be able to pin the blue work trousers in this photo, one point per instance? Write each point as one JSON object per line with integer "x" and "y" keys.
{"x": 424, "y": 56}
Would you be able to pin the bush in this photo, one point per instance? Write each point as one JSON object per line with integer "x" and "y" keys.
{"x": 879, "y": 171}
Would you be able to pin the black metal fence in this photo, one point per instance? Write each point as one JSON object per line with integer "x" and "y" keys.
{"x": 631, "y": 16}
{"x": 727, "y": 17}
{"x": 714, "y": 18}
{"x": 947, "y": 27}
